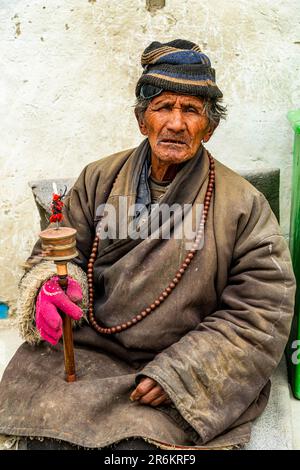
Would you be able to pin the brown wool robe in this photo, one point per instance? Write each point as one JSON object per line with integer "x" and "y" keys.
{"x": 212, "y": 344}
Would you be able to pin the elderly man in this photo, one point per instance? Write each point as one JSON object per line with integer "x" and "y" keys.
{"x": 180, "y": 339}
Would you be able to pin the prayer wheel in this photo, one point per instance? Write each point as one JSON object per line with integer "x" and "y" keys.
{"x": 61, "y": 244}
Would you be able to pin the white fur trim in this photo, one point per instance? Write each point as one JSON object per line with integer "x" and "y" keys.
{"x": 29, "y": 288}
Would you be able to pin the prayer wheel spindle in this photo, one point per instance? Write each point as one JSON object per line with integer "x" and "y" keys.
{"x": 61, "y": 244}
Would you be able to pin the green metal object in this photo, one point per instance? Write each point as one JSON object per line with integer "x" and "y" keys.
{"x": 294, "y": 342}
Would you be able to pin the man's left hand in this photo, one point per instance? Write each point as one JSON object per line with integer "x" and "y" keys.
{"x": 149, "y": 392}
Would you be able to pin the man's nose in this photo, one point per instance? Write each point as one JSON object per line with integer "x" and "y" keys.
{"x": 176, "y": 122}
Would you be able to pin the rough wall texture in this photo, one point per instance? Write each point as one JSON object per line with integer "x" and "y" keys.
{"x": 68, "y": 72}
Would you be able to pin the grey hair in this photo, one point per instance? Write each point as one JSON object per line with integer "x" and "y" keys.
{"x": 213, "y": 109}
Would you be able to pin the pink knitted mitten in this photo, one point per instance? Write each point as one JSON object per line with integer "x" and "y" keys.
{"x": 50, "y": 298}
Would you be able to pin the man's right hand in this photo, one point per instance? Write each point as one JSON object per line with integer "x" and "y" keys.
{"x": 51, "y": 298}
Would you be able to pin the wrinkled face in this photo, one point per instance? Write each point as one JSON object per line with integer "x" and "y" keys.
{"x": 175, "y": 126}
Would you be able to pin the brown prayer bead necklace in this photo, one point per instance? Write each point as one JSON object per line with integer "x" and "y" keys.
{"x": 167, "y": 291}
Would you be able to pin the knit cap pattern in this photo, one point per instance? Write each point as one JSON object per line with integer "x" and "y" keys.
{"x": 179, "y": 66}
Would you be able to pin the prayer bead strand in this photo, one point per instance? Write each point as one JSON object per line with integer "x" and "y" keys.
{"x": 172, "y": 285}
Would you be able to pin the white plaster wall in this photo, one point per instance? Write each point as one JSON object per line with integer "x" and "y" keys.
{"x": 68, "y": 70}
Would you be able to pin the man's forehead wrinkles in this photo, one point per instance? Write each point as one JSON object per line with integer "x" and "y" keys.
{"x": 184, "y": 100}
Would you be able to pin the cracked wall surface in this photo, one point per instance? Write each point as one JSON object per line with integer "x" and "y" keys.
{"x": 68, "y": 73}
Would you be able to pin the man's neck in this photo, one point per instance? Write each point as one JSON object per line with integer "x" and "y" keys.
{"x": 164, "y": 172}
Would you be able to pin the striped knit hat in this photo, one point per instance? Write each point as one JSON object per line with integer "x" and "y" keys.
{"x": 177, "y": 66}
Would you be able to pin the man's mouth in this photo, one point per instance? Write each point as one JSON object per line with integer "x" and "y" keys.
{"x": 172, "y": 142}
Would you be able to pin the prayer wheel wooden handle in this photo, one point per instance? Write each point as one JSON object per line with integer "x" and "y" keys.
{"x": 62, "y": 245}
{"x": 62, "y": 273}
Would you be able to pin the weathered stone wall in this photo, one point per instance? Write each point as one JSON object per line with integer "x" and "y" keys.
{"x": 68, "y": 72}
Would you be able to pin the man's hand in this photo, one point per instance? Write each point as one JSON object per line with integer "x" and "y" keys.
{"x": 149, "y": 392}
{"x": 52, "y": 298}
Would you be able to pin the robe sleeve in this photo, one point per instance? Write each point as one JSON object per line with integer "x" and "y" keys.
{"x": 216, "y": 371}
{"x": 78, "y": 213}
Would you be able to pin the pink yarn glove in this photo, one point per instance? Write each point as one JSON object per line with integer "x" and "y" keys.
{"x": 50, "y": 298}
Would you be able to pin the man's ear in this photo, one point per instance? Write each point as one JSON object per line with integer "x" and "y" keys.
{"x": 141, "y": 123}
{"x": 209, "y": 133}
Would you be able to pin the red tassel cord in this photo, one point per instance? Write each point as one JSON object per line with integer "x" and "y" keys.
{"x": 57, "y": 207}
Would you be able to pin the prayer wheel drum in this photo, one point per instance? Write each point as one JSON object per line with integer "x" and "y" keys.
{"x": 61, "y": 242}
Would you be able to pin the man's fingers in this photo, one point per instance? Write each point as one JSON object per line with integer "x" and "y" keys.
{"x": 163, "y": 399}
{"x": 143, "y": 387}
{"x": 153, "y": 395}
{"x": 149, "y": 392}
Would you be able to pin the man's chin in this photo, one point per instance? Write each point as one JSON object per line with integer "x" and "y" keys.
{"x": 173, "y": 157}
{"x": 172, "y": 153}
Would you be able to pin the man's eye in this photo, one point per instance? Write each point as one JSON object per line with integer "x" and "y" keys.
{"x": 165, "y": 107}
{"x": 190, "y": 109}
{"x": 162, "y": 107}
